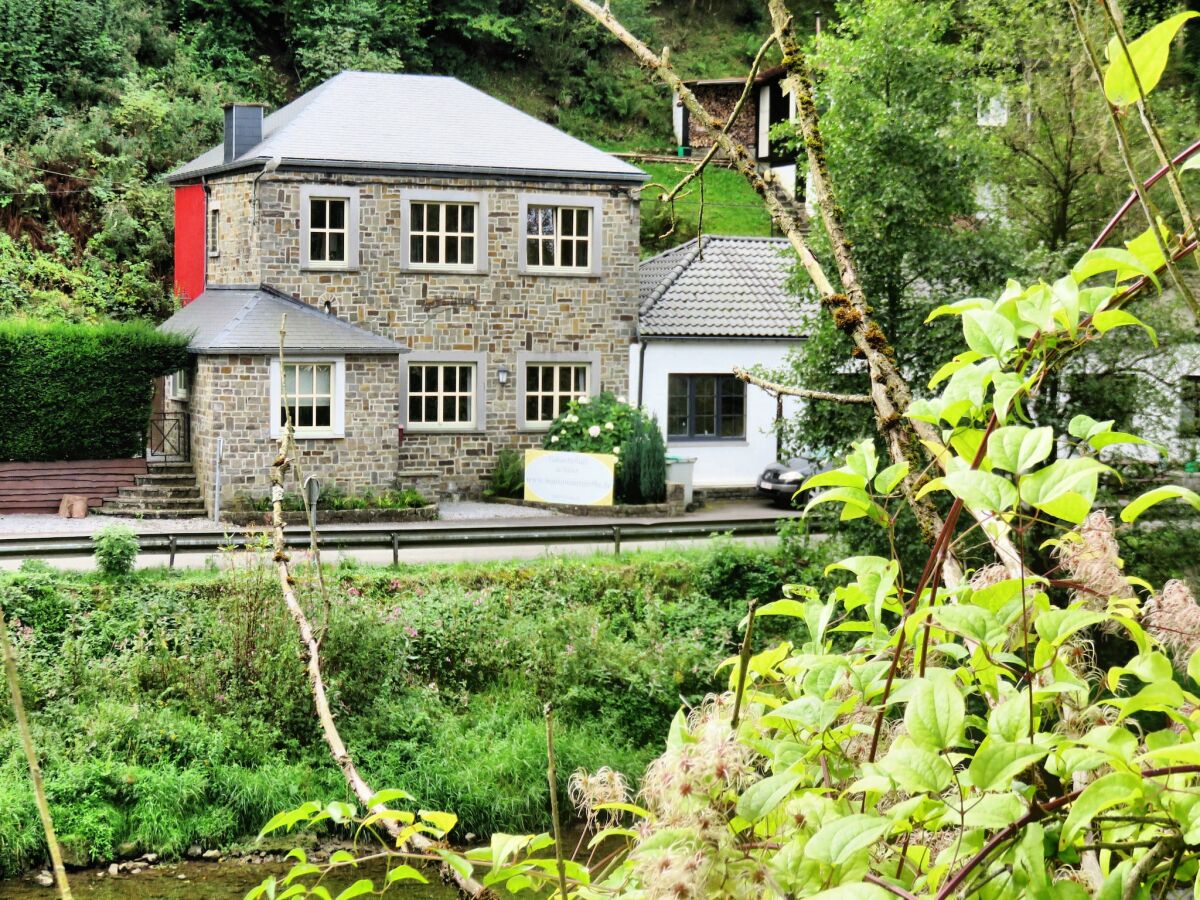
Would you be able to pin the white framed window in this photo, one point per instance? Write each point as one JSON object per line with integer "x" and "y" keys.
{"x": 311, "y": 392}
{"x": 444, "y": 231}
{"x": 328, "y": 227}
{"x": 442, "y": 235}
{"x": 213, "y": 234}
{"x": 441, "y": 394}
{"x": 444, "y": 391}
{"x": 560, "y": 235}
{"x": 327, "y": 230}
{"x": 178, "y": 383}
{"x": 548, "y": 382}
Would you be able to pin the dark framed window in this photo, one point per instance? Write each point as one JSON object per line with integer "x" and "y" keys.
{"x": 1189, "y": 406}
{"x": 327, "y": 230}
{"x": 705, "y": 407}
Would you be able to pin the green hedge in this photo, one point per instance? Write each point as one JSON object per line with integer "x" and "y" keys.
{"x": 80, "y": 391}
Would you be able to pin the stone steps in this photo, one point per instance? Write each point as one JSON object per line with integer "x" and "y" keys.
{"x": 166, "y": 491}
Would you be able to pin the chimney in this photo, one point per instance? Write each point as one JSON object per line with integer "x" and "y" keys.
{"x": 243, "y": 128}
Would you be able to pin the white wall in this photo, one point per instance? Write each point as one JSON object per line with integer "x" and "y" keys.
{"x": 717, "y": 462}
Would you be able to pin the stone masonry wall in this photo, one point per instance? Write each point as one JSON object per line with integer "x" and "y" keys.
{"x": 229, "y": 399}
{"x": 498, "y": 313}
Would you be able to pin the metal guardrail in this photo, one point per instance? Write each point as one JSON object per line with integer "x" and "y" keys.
{"x": 333, "y": 538}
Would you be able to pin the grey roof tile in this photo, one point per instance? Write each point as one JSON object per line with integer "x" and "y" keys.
{"x": 417, "y": 123}
{"x": 720, "y": 287}
{"x": 245, "y": 319}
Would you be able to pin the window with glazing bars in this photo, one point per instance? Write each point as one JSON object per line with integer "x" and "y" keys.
{"x": 705, "y": 407}
{"x": 441, "y": 394}
{"x": 558, "y": 237}
{"x": 441, "y": 234}
{"x": 307, "y": 395}
{"x": 327, "y": 230}
{"x": 549, "y": 387}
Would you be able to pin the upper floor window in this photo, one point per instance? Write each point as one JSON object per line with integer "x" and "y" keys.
{"x": 214, "y": 230}
{"x": 327, "y": 230}
{"x": 558, "y": 237}
{"x": 442, "y": 234}
{"x": 705, "y": 407}
{"x": 328, "y": 227}
{"x": 560, "y": 234}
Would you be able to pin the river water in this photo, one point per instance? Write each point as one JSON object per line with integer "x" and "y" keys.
{"x": 187, "y": 880}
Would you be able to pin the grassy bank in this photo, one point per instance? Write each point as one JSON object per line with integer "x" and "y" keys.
{"x": 172, "y": 709}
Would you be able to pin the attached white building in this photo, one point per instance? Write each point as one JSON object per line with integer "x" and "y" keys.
{"x": 708, "y": 306}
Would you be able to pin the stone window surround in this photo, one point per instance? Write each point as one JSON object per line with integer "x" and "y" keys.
{"x": 455, "y": 357}
{"x": 332, "y": 192}
{"x": 337, "y": 413}
{"x": 595, "y": 204}
{"x": 433, "y": 195}
{"x": 526, "y": 358}
{"x": 212, "y": 228}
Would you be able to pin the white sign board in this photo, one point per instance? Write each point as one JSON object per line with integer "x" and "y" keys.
{"x": 579, "y": 479}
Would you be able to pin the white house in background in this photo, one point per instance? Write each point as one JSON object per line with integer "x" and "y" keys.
{"x": 708, "y": 306}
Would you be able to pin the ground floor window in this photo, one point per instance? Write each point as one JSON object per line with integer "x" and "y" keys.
{"x": 441, "y": 394}
{"x": 309, "y": 393}
{"x": 177, "y": 385}
{"x": 550, "y": 387}
{"x": 705, "y": 407}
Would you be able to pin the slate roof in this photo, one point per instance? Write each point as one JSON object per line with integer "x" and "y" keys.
{"x": 720, "y": 287}
{"x": 414, "y": 123}
{"x": 245, "y": 319}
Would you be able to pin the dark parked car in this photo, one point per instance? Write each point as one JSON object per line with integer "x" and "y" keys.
{"x": 781, "y": 480}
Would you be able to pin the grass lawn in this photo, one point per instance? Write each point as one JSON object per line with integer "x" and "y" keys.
{"x": 730, "y": 204}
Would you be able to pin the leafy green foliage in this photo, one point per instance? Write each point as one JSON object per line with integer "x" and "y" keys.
{"x": 80, "y": 391}
{"x": 333, "y": 497}
{"x": 172, "y": 709}
{"x": 508, "y": 476}
{"x": 116, "y": 549}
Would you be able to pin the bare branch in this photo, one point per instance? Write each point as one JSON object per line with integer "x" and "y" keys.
{"x": 785, "y": 390}
{"x": 737, "y": 111}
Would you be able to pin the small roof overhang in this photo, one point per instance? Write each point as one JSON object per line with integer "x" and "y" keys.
{"x": 246, "y": 319}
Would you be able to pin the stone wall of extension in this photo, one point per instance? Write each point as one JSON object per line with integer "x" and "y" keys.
{"x": 229, "y": 399}
{"x": 494, "y": 315}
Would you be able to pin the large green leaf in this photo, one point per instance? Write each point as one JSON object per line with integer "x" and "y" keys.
{"x": 935, "y": 714}
{"x": 1065, "y": 489}
{"x": 764, "y": 796}
{"x": 837, "y": 842}
{"x": 1167, "y": 492}
{"x": 1104, "y": 793}
{"x": 989, "y": 333}
{"x": 1149, "y": 56}
{"x": 997, "y": 763}
{"x": 916, "y": 770}
{"x": 978, "y": 490}
{"x": 1016, "y": 448}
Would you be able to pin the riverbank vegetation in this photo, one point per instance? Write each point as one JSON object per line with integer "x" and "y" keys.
{"x": 171, "y": 709}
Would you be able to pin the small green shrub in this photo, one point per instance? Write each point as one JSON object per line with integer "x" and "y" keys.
{"x": 334, "y": 498}
{"x": 116, "y": 547}
{"x": 508, "y": 477}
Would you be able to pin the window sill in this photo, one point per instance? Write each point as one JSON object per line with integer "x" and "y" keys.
{"x": 414, "y": 269}
{"x": 419, "y": 431}
{"x": 311, "y": 435}
{"x": 559, "y": 273}
{"x": 317, "y": 267}
{"x": 692, "y": 443}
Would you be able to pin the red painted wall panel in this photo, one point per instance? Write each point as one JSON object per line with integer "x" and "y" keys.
{"x": 190, "y": 254}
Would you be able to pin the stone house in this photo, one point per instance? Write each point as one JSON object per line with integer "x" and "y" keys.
{"x": 453, "y": 270}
